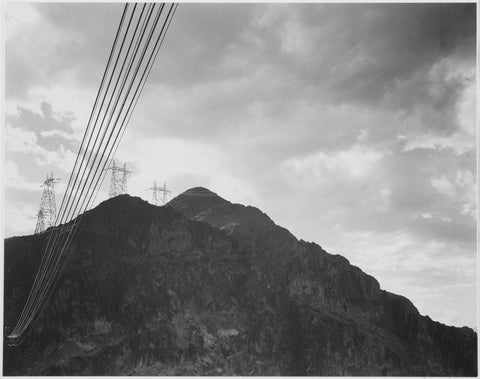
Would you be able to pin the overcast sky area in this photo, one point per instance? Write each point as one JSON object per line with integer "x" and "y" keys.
{"x": 353, "y": 126}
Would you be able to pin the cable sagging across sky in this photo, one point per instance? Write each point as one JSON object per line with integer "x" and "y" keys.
{"x": 139, "y": 37}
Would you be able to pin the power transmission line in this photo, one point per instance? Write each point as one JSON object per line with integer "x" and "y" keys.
{"x": 35, "y": 296}
{"x": 54, "y": 258}
{"x": 117, "y": 146}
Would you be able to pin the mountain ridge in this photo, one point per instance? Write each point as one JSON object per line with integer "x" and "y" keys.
{"x": 216, "y": 287}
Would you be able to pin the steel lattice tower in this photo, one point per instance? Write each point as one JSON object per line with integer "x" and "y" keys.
{"x": 40, "y": 227}
{"x": 156, "y": 193}
{"x": 118, "y": 183}
{"x": 48, "y": 209}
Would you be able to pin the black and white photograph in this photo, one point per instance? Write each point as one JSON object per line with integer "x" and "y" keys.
{"x": 240, "y": 189}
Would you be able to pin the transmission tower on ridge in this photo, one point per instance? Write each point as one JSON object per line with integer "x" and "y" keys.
{"x": 48, "y": 208}
{"x": 118, "y": 183}
{"x": 156, "y": 193}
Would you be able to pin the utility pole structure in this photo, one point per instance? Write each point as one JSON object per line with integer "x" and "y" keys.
{"x": 156, "y": 193}
{"x": 40, "y": 227}
{"x": 48, "y": 209}
{"x": 118, "y": 183}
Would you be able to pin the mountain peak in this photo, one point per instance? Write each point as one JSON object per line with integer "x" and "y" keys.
{"x": 199, "y": 191}
{"x": 196, "y": 200}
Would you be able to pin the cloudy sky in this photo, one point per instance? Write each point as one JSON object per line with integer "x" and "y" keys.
{"x": 351, "y": 125}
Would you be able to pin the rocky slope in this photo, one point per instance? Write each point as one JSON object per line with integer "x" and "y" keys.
{"x": 206, "y": 287}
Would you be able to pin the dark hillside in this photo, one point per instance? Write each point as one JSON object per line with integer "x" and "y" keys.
{"x": 206, "y": 287}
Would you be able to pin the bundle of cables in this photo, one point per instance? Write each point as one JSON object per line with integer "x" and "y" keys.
{"x": 139, "y": 37}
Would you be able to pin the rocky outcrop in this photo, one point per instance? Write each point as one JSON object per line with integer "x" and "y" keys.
{"x": 206, "y": 287}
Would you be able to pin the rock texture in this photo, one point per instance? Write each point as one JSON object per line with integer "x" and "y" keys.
{"x": 206, "y": 287}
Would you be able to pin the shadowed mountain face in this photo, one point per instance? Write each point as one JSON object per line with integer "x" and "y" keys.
{"x": 206, "y": 287}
